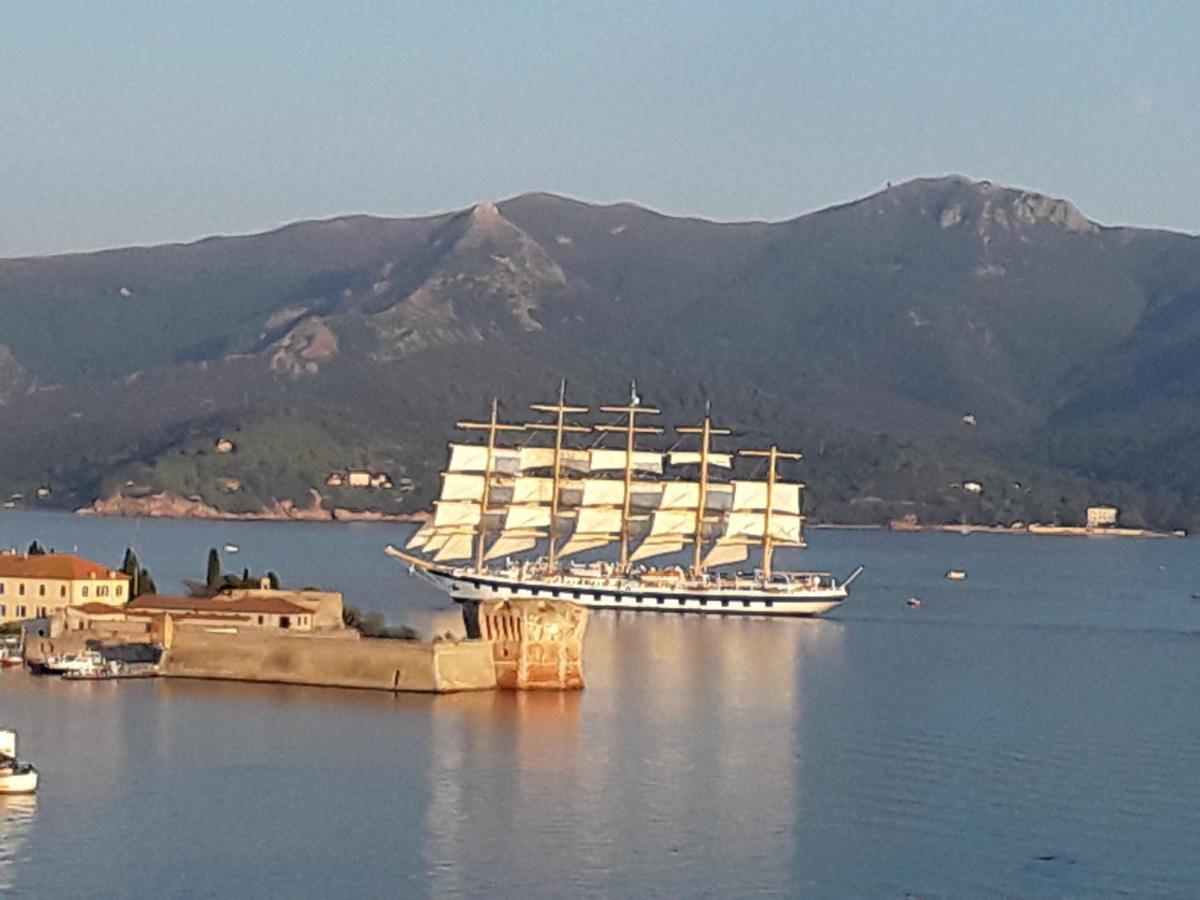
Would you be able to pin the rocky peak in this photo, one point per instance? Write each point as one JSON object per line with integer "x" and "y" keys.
{"x": 956, "y": 201}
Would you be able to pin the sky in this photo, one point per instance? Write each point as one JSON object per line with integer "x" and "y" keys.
{"x": 147, "y": 122}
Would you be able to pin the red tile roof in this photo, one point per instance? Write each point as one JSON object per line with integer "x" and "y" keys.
{"x": 63, "y": 566}
{"x": 216, "y": 605}
{"x": 97, "y": 609}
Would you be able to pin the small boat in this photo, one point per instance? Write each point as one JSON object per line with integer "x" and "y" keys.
{"x": 231, "y": 548}
{"x": 15, "y": 777}
{"x": 915, "y": 603}
{"x": 86, "y": 661}
{"x": 10, "y": 656}
{"x": 957, "y": 575}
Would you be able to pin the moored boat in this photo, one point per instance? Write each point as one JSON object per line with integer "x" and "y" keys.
{"x": 15, "y": 777}
{"x": 499, "y": 502}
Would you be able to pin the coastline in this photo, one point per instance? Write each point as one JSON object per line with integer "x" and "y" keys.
{"x": 167, "y": 505}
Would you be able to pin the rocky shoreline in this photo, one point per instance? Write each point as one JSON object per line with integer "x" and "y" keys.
{"x": 169, "y": 505}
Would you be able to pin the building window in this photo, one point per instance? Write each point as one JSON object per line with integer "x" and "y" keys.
{"x": 62, "y": 591}
{"x": 285, "y": 622}
{"x": 41, "y": 611}
{"x": 260, "y": 620}
{"x": 20, "y": 612}
{"x": 3, "y": 611}
{"x": 84, "y": 590}
{"x": 119, "y": 590}
{"x": 21, "y": 589}
{"x": 102, "y": 591}
{"x": 1, "y": 587}
{"x": 41, "y": 590}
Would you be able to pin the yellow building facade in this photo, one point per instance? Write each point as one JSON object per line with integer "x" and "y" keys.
{"x": 33, "y": 587}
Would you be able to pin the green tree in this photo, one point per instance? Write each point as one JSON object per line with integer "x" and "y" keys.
{"x": 35, "y": 549}
{"x": 213, "y": 579}
{"x": 140, "y": 581}
{"x": 273, "y": 581}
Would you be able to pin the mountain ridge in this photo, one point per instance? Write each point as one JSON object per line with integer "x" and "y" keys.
{"x": 871, "y": 326}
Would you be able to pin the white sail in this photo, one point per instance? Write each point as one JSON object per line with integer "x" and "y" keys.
{"x": 511, "y": 542}
{"x": 600, "y": 460}
{"x": 676, "y": 523}
{"x": 680, "y": 495}
{"x": 526, "y": 517}
{"x": 455, "y": 512}
{"x": 457, "y": 546}
{"x": 474, "y": 458}
{"x": 598, "y": 520}
{"x": 543, "y": 458}
{"x": 785, "y": 528}
{"x": 580, "y": 543}
{"x": 693, "y": 458}
{"x": 656, "y": 547}
{"x": 752, "y": 495}
{"x": 724, "y": 552}
{"x": 528, "y": 489}
{"x": 420, "y": 538}
{"x": 598, "y": 492}
{"x": 456, "y": 486}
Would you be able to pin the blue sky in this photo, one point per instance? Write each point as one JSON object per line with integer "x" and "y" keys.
{"x": 144, "y": 122}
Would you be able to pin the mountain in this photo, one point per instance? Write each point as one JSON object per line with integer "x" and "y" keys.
{"x": 863, "y": 333}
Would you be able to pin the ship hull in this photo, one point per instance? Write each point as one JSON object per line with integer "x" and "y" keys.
{"x": 466, "y": 586}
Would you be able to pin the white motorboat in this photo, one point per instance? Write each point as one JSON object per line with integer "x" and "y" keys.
{"x": 15, "y": 777}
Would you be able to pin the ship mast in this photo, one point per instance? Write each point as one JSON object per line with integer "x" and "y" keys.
{"x": 559, "y": 428}
{"x": 493, "y": 425}
{"x": 707, "y": 432}
{"x": 772, "y": 455}
{"x": 631, "y": 429}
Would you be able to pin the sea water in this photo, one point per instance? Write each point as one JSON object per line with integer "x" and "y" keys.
{"x": 1032, "y": 730}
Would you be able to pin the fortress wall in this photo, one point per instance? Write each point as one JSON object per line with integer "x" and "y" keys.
{"x": 294, "y": 659}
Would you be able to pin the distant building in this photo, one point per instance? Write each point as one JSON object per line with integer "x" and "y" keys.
{"x": 358, "y": 478}
{"x": 37, "y": 586}
{"x": 1101, "y": 516}
{"x": 335, "y": 479}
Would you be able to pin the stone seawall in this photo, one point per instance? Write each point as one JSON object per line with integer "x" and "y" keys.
{"x": 386, "y": 665}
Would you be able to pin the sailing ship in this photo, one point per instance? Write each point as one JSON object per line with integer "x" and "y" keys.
{"x": 505, "y": 497}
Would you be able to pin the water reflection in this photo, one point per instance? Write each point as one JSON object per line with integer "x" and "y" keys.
{"x": 17, "y": 815}
{"x": 685, "y": 740}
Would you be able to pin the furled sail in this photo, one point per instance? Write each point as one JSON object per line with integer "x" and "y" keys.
{"x": 600, "y": 460}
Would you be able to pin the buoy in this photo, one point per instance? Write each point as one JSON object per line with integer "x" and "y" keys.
{"x": 914, "y": 602}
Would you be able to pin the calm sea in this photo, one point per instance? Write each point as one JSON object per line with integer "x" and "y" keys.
{"x": 1034, "y": 730}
